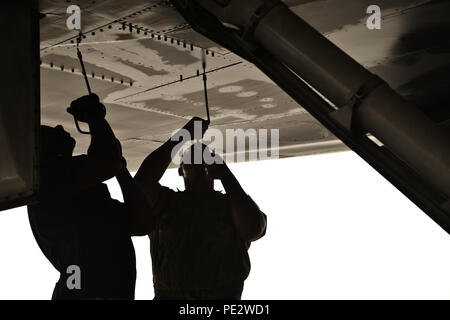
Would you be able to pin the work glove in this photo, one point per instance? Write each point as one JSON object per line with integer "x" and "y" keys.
{"x": 87, "y": 108}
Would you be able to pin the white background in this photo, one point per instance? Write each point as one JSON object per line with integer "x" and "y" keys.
{"x": 336, "y": 230}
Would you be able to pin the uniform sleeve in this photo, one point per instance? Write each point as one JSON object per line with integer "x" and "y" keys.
{"x": 165, "y": 203}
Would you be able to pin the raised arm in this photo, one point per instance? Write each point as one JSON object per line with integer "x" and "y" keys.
{"x": 154, "y": 166}
{"x": 141, "y": 222}
{"x": 104, "y": 157}
{"x": 249, "y": 220}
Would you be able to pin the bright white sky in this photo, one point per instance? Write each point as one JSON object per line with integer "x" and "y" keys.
{"x": 336, "y": 230}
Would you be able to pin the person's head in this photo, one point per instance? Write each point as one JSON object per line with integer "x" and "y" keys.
{"x": 56, "y": 143}
{"x": 193, "y": 169}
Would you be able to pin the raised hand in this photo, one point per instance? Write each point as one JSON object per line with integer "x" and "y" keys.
{"x": 218, "y": 169}
{"x": 87, "y": 108}
{"x": 196, "y": 121}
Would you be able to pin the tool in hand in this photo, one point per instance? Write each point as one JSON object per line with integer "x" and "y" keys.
{"x": 87, "y": 109}
{"x": 204, "y": 85}
{"x": 83, "y": 70}
{"x": 80, "y": 57}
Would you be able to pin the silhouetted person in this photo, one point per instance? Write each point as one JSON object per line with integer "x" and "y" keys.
{"x": 82, "y": 231}
{"x": 199, "y": 237}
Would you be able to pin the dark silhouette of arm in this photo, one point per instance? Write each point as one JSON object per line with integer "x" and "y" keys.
{"x": 136, "y": 202}
{"x": 154, "y": 166}
{"x": 104, "y": 157}
{"x": 152, "y": 169}
{"x": 250, "y": 222}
